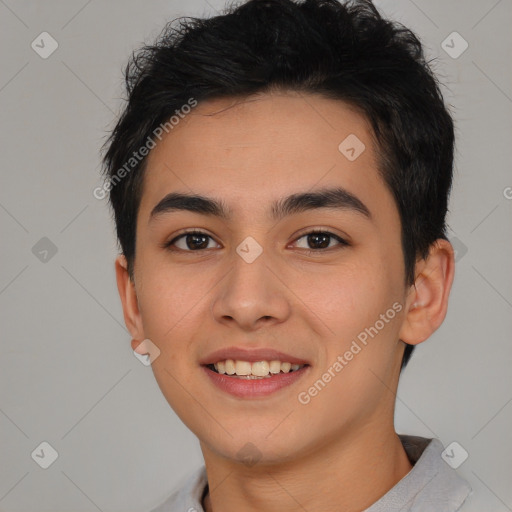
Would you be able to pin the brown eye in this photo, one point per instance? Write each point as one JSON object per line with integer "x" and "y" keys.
{"x": 318, "y": 240}
{"x": 191, "y": 241}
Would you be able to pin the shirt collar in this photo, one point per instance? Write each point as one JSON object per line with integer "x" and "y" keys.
{"x": 430, "y": 485}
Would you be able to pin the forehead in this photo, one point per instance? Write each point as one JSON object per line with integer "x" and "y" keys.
{"x": 253, "y": 151}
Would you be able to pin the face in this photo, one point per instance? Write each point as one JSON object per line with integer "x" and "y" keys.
{"x": 258, "y": 285}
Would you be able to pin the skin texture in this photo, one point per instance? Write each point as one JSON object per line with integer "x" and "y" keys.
{"x": 339, "y": 451}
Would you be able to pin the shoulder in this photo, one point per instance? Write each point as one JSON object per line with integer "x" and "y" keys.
{"x": 188, "y": 497}
{"x": 432, "y": 484}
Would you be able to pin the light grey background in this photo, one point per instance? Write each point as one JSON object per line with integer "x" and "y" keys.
{"x": 67, "y": 372}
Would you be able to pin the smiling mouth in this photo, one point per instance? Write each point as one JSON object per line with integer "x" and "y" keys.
{"x": 253, "y": 370}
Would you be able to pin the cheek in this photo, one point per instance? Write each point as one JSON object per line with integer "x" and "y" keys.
{"x": 169, "y": 298}
{"x": 355, "y": 304}
{"x": 346, "y": 296}
{"x": 169, "y": 304}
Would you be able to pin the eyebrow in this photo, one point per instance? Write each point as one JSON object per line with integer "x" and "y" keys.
{"x": 333, "y": 198}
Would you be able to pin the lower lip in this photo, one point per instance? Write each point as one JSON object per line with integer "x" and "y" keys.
{"x": 253, "y": 388}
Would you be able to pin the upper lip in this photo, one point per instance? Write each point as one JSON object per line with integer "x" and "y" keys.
{"x": 251, "y": 355}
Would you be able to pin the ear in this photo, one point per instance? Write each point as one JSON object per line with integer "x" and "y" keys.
{"x": 126, "y": 288}
{"x": 427, "y": 301}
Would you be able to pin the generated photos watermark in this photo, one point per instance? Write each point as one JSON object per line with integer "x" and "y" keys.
{"x": 139, "y": 155}
{"x": 355, "y": 348}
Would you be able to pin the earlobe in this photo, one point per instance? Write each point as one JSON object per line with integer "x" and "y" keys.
{"x": 427, "y": 302}
{"x": 128, "y": 296}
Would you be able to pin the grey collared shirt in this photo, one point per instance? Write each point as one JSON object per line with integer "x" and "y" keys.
{"x": 431, "y": 485}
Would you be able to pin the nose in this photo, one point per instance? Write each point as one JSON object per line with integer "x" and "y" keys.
{"x": 252, "y": 295}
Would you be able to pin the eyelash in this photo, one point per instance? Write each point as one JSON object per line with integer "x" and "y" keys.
{"x": 342, "y": 242}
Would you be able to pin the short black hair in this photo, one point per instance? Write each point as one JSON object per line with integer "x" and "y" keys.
{"x": 343, "y": 51}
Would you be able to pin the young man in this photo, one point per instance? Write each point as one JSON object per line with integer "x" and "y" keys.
{"x": 280, "y": 179}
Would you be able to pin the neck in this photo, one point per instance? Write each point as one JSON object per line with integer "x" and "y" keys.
{"x": 348, "y": 475}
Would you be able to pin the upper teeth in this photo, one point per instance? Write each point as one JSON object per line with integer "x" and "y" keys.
{"x": 258, "y": 369}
